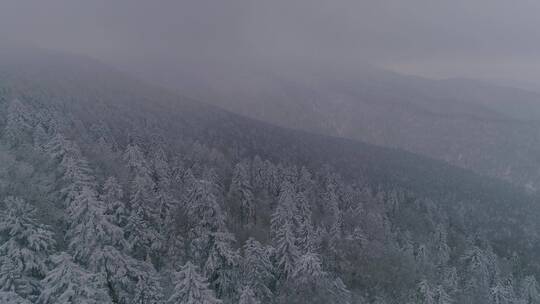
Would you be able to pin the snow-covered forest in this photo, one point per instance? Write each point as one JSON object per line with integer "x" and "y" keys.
{"x": 110, "y": 202}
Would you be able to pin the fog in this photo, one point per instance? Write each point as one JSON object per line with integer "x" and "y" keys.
{"x": 487, "y": 39}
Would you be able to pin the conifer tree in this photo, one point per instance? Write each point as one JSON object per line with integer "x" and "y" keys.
{"x": 68, "y": 283}
{"x": 112, "y": 195}
{"x": 19, "y": 123}
{"x": 441, "y": 297}
{"x": 191, "y": 288}
{"x": 241, "y": 194}
{"x": 424, "y": 293}
{"x": 257, "y": 270}
{"x": 529, "y": 290}
{"x": 286, "y": 252}
{"x": 247, "y": 296}
{"x": 25, "y": 248}
{"x": 12, "y": 298}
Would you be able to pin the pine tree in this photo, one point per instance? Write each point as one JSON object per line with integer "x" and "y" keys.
{"x": 477, "y": 272}
{"x": 19, "y": 123}
{"x": 310, "y": 281}
{"x": 247, "y": 296}
{"x": 147, "y": 290}
{"x": 40, "y": 138}
{"x": 499, "y": 294}
{"x": 90, "y": 230}
{"x": 303, "y": 227}
{"x": 424, "y": 293}
{"x": 286, "y": 252}
{"x": 257, "y": 269}
{"x": 450, "y": 279}
{"x": 191, "y": 288}
{"x": 309, "y": 269}
{"x": 165, "y": 202}
{"x": 529, "y": 290}
{"x": 144, "y": 214}
{"x": 112, "y": 195}
{"x": 68, "y": 283}
{"x": 222, "y": 265}
{"x": 441, "y": 297}
{"x": 26, "y": 246}
{"x": 12, "y": 298}
{"x": 74, "y": 169}
{"x": 441, "y": 248}
{"x": 241, "y": 194}
{"x": 206, "y": 217}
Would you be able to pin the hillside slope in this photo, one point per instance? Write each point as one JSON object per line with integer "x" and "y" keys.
{"x": 490, "y": 129}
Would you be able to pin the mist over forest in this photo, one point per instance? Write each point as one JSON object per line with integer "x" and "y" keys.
{"x": 269, "y": 152}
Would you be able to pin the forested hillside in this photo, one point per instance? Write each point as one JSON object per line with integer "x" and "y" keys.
{"x": 114, "y": 191}
{"x": 486, "y": 128}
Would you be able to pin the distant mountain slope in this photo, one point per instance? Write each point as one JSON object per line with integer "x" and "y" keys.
{"x": 491, "y": 129}
{"x": 92, "y": 92}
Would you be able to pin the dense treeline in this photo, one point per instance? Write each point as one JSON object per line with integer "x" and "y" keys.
{"x": 102, "y": 213}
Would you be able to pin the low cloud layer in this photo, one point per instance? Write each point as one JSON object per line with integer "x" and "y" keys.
{"x": 495, "y": 39}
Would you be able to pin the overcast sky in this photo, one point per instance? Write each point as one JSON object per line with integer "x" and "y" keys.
{"x": 497, "y": 39}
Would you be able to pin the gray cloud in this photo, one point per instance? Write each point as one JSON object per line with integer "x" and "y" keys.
{"x": 472, "y": 38}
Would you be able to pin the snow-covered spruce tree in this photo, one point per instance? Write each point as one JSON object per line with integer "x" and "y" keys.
{"x": 90, "y": 231}
{"x": 24, "y": 250}
{"x": 165, "y": 202}
{"x": 40, "y": 138}
{"x": 19, "y": 124}
{"x": 142, "y": 223}
{"x": 191, "y": 288}
{"x": 247, "y": 296}
{"x": 424, "y": 293}
{"x": 147, "y": 290}
{"x": 529, "y": 290}
{"x": 335, "y": 230}
{"x": 69, "y": 283}
{"x": 441, "y": 296}
{"x": 115, "y": 208}
{"x": 257, "y": 270}
{"x": 450, "y": 279}
{"x": 222, "y": 265}
{"x": 305, "y": 234}
{"x": 501, "y": 294}
{"x": 206, "y": 217}
{"x": 441, "y": 249}
{"x": 477, "y": 276}
{"x": 241, "y": 195}
{"x": 12, "y": 298}
{"x": 282, "y": 226}
{"x": 74, "y": 169}
{"x": 99, "y": 245}
{"x": 309, "y": 281}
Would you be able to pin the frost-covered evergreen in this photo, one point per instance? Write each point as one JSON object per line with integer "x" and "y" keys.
{"x": 25, "y": 248}
{"x": 241, "y": 194}
{"x": 529, "y": 290}
{"x": 12, "y": 298}
{"x": 148, "y": 290}
{"x": 247, "y": 296}
{"x": 68, "y": 283}
{"x": 191, "y": 288}
{"x": 257, "y": 270}
{"x": 115, "y": 208}
{"x": 424, "y": 293}
{"x": 19, "y": 123}
{"x": 222, "y": 265}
